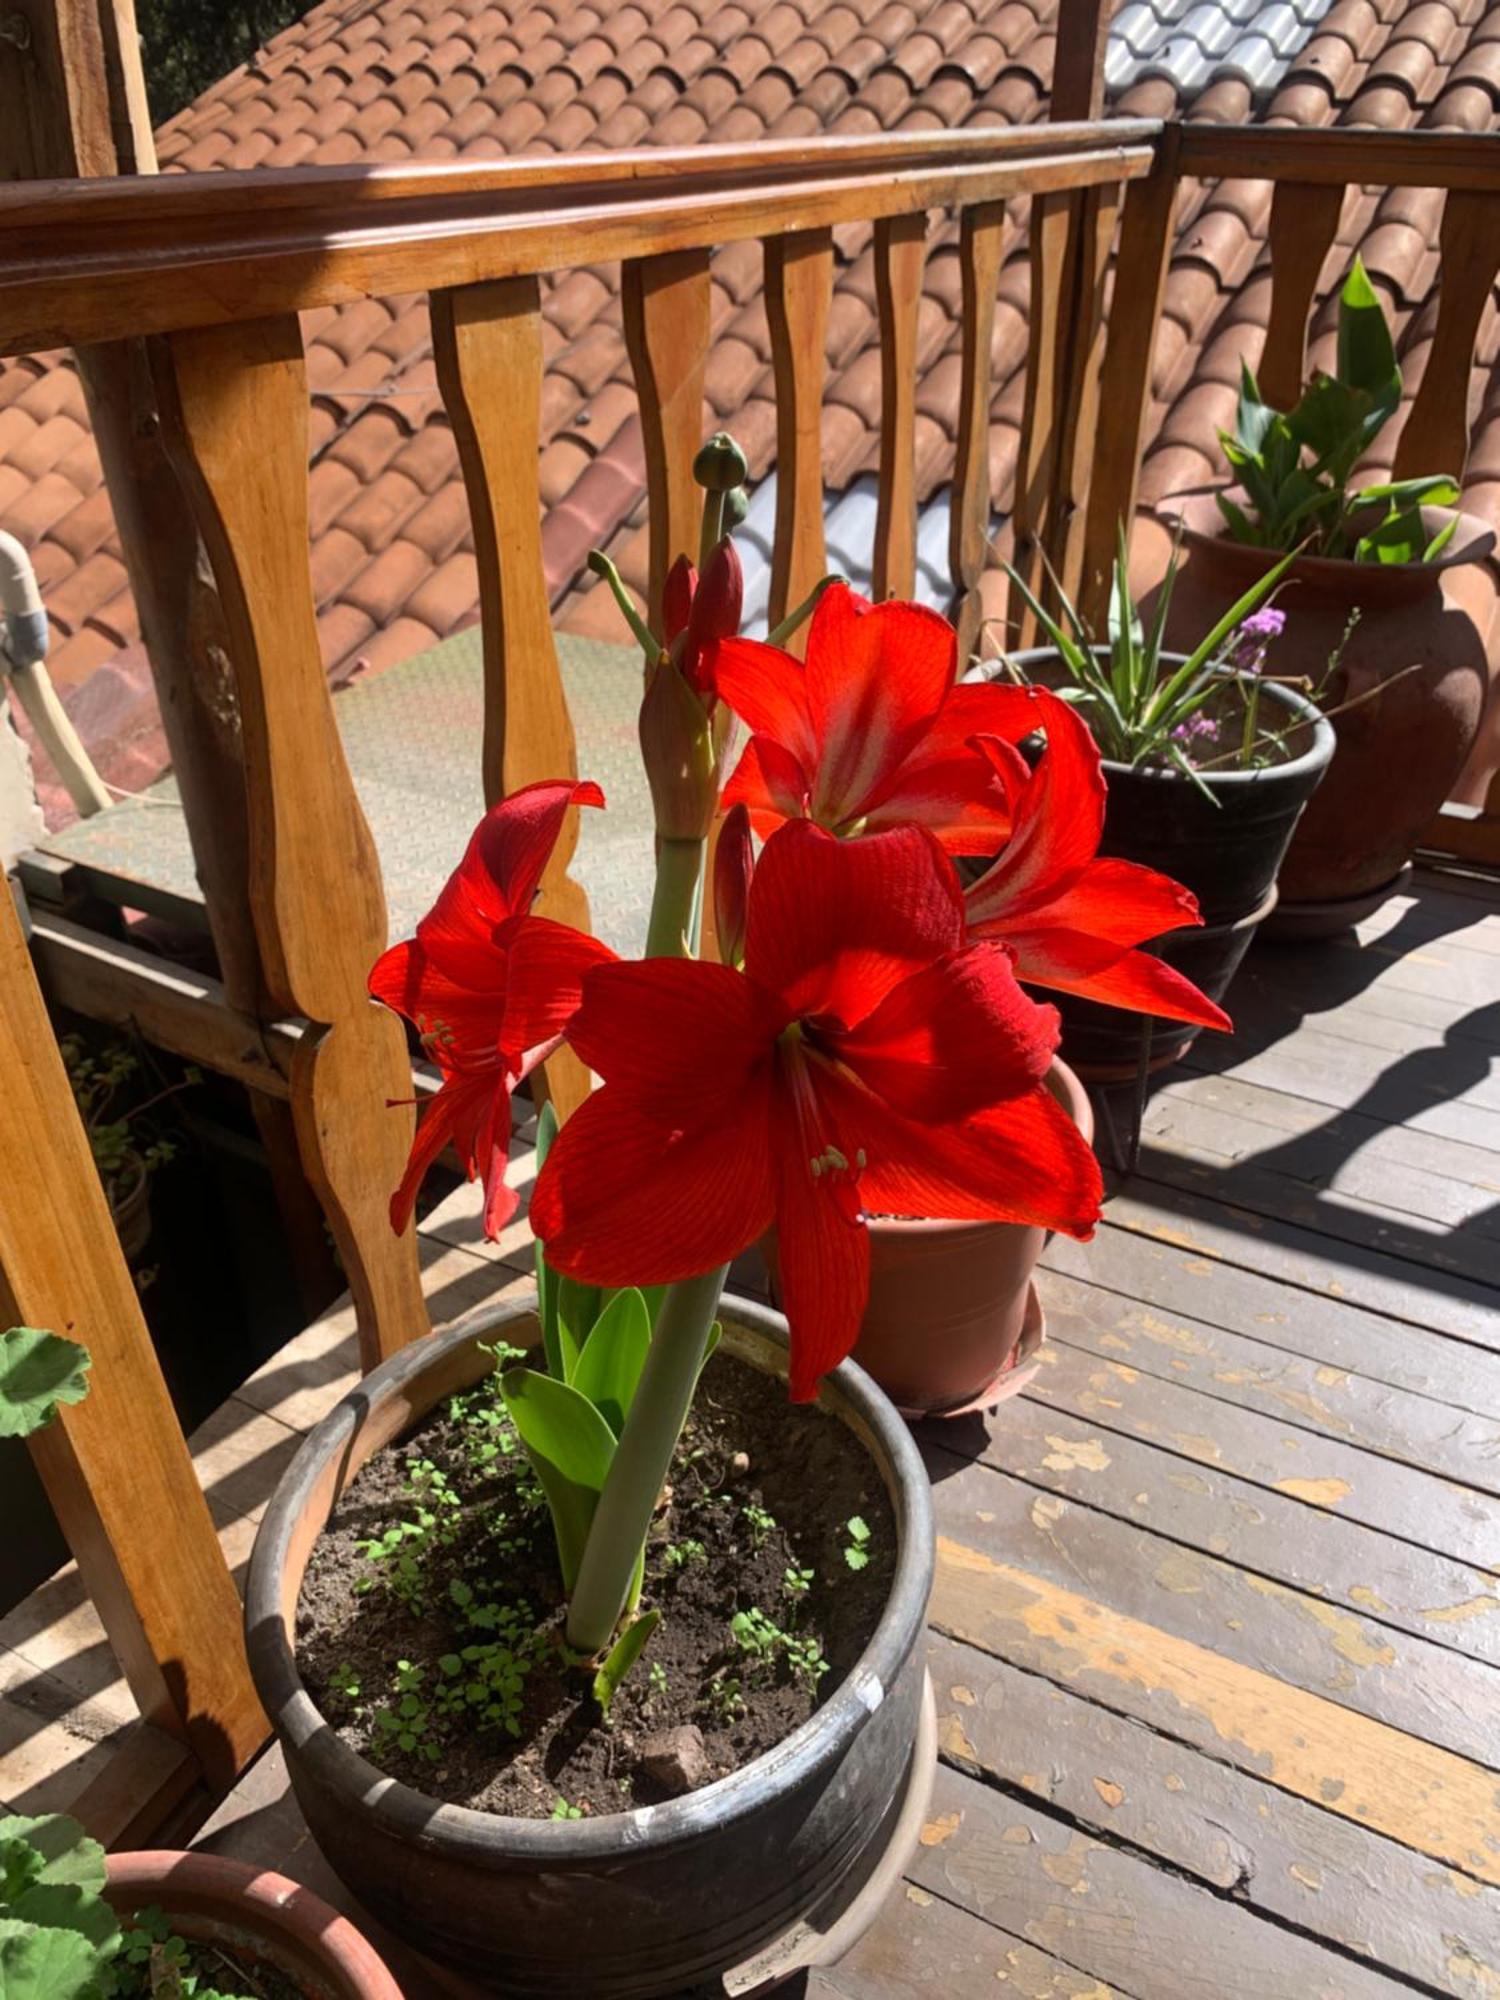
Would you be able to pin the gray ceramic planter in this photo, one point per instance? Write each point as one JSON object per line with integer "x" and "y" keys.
{"x": 647, "y": 1902}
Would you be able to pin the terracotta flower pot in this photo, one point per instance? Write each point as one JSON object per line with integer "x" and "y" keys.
{"x": 953, "y": 1315}
{"x": 1419, "y": 643}
{"x": 258, "y": 1914}
{"x": 750, "y": 1877}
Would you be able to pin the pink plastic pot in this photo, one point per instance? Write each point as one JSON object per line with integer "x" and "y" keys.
{"x": 953, "y": 1316}
{"x": 253, "y": 1912}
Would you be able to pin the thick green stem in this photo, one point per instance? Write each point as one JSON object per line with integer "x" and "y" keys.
{"x": 674, "y": 901}
{"x": 642, "y": 1460}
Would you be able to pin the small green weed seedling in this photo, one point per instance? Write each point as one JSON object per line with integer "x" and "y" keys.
{"x": 680, "y": 1554}
{"x": 857, "y": 1549}
{"x": 759, "y": 1522}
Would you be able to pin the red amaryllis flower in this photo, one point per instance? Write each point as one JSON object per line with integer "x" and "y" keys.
{"x": 489, "y": 988}
{"x": 872, "y": 732}
{"x": 698, "y": 610}
{"x": 866, "y": 1059}
{"x": 1072, "y": 919}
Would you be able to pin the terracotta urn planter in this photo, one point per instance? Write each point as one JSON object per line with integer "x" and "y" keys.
{"x": 1417, "y": 653}
{"x": 255, "y": 1917}
{"x": 953, "y": 1316}
{"x": 745, "y": 1880}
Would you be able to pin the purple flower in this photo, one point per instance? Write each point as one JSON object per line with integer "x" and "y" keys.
{"x": 1196, "y": 726}
{"x": 1252, "y": 638}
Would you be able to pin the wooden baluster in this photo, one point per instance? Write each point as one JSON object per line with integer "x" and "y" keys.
{"x": 900, "y": 248}
{"x": 1435, "y": 437}
{"x": 488, "y": 343}
{"x": 1304, "y": 222}
{"x": 667, "y": 303}
{"x": 1036, "y": 459}
{"x": 799, "y": 290}
{"x": 234, "y": 405}
{"x": 1077, "y": 420}
{"x": 115, "y": 1465}
{"x": 981, "y": 234}
{"x": 1146, "y": 233}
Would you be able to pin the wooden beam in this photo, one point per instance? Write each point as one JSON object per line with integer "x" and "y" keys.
{"x": 200, "y": 250}
{"x": 148, "y": 1776}
{"x": 1380, "y": 159}
{"x": 115, "y": 1466}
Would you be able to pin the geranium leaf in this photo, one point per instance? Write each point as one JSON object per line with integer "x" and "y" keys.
{"x": 42, "y": 1964}
{"x": 38, "y": 1370}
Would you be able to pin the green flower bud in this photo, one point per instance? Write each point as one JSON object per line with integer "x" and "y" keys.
{"x": 720, "y": 465}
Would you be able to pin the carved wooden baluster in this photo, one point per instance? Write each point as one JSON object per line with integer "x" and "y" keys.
{"x": 981, "y": 233}
{"x": 1436, "y": 434}
{"x": 1304, "y": 222}
{"x": 488, "y": 343}
{"x": 799, "y": 290}
{"x": 115, "y": 1466}
{"x": 1077, "y": 420}
{"x": 667, "y": 303}
{"x": 1146, "y": 232}
{"x": 899, "y": 253}
{"x": 1036, "y": 459}
{"x": 234, "y": 404}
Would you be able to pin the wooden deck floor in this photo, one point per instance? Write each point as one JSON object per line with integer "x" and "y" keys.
{"x": 1216, "y": 1629}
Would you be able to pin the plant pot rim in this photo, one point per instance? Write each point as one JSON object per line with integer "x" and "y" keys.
{"x": 260, "y": 1901}
{"x": 1196, "y": 510}
{"x": 847, "y": 1393}
{"x": 1318, "y": 753}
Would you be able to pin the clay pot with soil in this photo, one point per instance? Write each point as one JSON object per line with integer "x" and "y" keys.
{"x": 1410, "y": 688}
{"x": 758, "y": 1779}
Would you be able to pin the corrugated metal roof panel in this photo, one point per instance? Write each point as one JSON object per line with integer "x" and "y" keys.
{"x": 1192, "y": 43}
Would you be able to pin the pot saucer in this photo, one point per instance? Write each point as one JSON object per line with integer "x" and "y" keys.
{"x": 1019, "y": 1367}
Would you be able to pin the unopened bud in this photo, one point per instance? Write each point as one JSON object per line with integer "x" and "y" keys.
{"x": 681, "y": 751}
{"x": 720, "y": 465}
{"x": 734, "y": 864}
{"x": 736, "y": 507}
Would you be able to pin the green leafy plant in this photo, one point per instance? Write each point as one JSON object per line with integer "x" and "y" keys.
{"x": 1142, "y": 708}
{"x": 760, "y": 1523}
{"x": 857, "y": 1548}
{"x": 1295, "y": 466}
{"x": 126, "y": 1147}
{"x": 622, "y": 1656}
{"x": 38, "y": 1372}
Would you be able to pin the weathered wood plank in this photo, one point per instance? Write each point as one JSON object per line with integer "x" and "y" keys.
{"x": 667, "y": 305}
{"x": 1324, "y": 1472}
{"x": 1282, "y": 1857}
{"x": 1050, "y": 1445}
{"x": 799, "y": 291}
{"x": 1114, "y": 1915}
{"x": 1212, "y": 1231}
{"x": 1429, "y": 1693}
{"x": 981, "y": 238}
{"x": 1330, "y": 1402}
{"x": 117, "y": 1459}
{"x": 487, "y": 340}
{"x": 1304, "y": 222}
{"x": 234, "y": 406}
{"x": 1424, "y": 1797}
{"x": 1324, "y": 1330}
{"x": 900, "y": 252}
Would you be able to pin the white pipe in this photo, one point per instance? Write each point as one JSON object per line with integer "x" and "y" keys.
{"x": 23, "y": 649}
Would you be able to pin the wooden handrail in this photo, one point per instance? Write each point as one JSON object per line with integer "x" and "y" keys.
{"x": 78, "y": 262}
{"x": 1323, "y": 154}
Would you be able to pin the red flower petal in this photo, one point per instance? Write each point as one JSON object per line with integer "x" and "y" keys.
{"x": 681, "y": 1040}
{"x": 769, "y": 780}
{"x": 717, "y": 606}
{"x": 767, "y": 690}
{"x": 544, "y": 979}
{"x": 454, "y": 1017}
{"x": 955, "y": 1037}
{"x": 835, "y": 924}
{"x": 1021, "y": 1161}
{"x": 1059, "y": 816}
{"x": 734, "y": 868}
{"x": 473, "y": 1111}
{"x": 501, "y": 868}
{"x": 824, "y": 1256}
{"x": 949, "y": 786}
{"x": 624, "y": 1200}
{"x": 1118, "y": 900}
{"x": 1099, "y": 970}
{"x": 876, "y": 677}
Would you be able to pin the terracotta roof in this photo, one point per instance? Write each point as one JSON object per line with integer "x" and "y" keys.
{"x": 403, "y": 79}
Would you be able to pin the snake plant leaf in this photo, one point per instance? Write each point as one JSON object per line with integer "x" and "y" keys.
{"x": 622, "y": 1656}
{"x": 569, "y": 1445}
{"x": 578, "y": 1306}
{"x": 38, "y": 1371}
{"x": 37, "y": 1963}
{"x": 610, "y": 1365}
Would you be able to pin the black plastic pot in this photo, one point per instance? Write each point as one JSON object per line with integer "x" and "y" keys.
{"x": 1227, "y": 850}
{"x": 648, "y": 1902}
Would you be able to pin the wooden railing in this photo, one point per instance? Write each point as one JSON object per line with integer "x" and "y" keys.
{"x": 211, "y": 273}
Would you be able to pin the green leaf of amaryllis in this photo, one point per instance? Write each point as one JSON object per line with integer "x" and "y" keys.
{"x": 570, "y": 1446}
{"x": 622, "y": 1657}
{"x": 609, "y": 1367}
{"x": 577, "y": 1308}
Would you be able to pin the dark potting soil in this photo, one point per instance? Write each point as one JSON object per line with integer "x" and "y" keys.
{"x": 429, "y": 1625}
{"x": 222, "y": 1969}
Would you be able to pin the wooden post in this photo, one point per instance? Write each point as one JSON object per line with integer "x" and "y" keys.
{"x": 115, "y": 1466}
{"x": 84, "y": 95}
{"x": 667, "y": 306}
